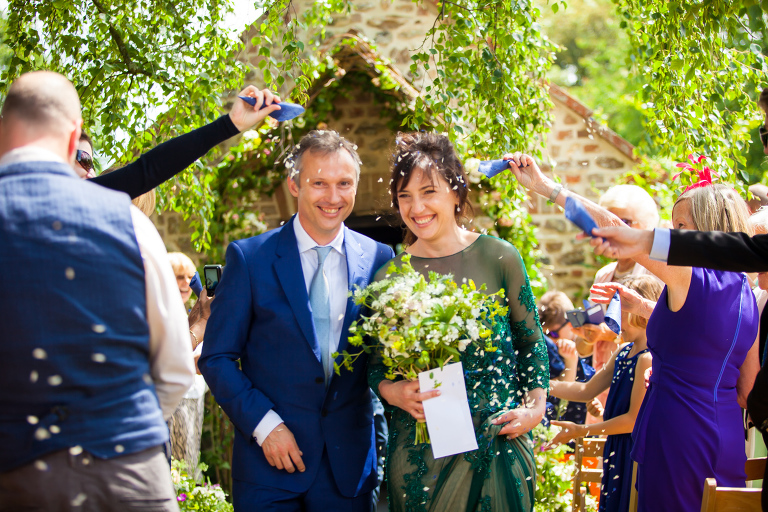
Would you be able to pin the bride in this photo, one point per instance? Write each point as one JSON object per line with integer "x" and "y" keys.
{"x": 506, "y": 389}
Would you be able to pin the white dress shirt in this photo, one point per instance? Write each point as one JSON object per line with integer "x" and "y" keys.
{"x": 171, "y": 364}
{"x": 661, "y": 242}
{"x": 335, "y": 268}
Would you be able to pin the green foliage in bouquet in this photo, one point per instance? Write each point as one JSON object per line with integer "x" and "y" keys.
{"x": 192, "y": 496}
{"x": 420, "y": 324}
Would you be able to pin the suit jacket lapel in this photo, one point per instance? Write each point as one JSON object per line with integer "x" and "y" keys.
{"x": 357, "y": 276}
{"x": 289, "y": 272}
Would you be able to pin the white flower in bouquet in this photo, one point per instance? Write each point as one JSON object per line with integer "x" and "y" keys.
{"x": 420, "y": 323}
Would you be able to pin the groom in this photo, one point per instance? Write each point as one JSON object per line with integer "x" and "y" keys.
{"x": 305, "y": 438}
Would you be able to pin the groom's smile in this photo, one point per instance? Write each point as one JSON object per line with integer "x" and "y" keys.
{"x": 325, "y": 190}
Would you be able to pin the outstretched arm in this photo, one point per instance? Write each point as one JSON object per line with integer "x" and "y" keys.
{"x": 171, "y": 157}
{"x": 584, "y": 391}
{"x": 622, "y": 424}
{"x": 529, "y": 175}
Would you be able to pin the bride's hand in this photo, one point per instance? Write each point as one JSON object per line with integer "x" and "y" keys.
{"x": 405, "y": 395}
{"x": 518, "y": 422}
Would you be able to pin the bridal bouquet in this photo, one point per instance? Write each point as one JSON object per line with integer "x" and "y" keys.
{"x": 420, "y": 323}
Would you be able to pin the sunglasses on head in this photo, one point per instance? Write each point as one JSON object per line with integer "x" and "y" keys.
{"x": 763, "y": 135}
{"x": 84, "y": 159}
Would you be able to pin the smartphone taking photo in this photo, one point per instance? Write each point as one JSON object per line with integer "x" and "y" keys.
{"x": 212, "y": 275}
{"x": 591, "y": 314}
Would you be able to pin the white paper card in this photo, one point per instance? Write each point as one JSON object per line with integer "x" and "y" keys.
{"x": 449, "y": 421}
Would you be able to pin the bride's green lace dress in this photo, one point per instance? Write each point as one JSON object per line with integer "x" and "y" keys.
{"x": 500, "y": 475}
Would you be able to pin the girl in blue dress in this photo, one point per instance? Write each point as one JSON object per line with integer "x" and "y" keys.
{"x": 639, "y": 295}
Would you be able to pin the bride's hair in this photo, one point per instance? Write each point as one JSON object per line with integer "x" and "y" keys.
{"x": 432, "y": 153}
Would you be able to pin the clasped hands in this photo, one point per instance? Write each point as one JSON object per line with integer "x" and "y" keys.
{"x": 405, "y": 394}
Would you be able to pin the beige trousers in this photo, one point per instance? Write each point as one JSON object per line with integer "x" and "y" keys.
{"x": 67, "y": 481}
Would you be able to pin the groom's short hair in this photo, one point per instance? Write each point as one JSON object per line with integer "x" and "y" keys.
{"x": 324, "y": 142}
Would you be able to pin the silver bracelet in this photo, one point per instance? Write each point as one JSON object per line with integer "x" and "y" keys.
{"x": 555, "y": 192}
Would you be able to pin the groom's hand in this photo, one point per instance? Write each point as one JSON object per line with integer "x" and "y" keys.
{"x": 281, "y": 450}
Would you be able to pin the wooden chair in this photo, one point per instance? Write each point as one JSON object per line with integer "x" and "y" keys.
{"x": 733, "y": 499}
{"x": 633, "y": 490}
{"x": 584, "y": 448}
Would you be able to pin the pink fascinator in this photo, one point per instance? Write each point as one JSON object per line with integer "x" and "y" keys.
{"x": 704, "y": 175}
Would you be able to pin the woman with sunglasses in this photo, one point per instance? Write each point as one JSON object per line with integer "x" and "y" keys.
{"x": 171, "y": 157}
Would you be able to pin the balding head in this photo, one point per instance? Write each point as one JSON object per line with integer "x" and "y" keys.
{"x": 41, "y": 108}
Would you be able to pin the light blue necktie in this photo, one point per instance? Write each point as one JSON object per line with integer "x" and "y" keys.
{"x": 319, "y": 294}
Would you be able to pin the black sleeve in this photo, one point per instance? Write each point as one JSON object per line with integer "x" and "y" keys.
{"x": 168, "y": 159}
{"x": 735, "y": 252}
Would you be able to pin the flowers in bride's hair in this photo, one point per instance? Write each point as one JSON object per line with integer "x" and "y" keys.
{"x": 420, "y": 323}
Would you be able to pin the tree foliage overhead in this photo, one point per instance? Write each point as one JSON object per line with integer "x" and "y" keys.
{"x": 695, "y": 66}
{"x": 480, "y": 70}
{"x": 132, "y": 64}
{"x": 702, "y": 67}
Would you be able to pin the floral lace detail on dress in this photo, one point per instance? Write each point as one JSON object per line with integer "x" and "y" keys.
{"x": 500, "y": 474}
{"x": 526, "y": 298}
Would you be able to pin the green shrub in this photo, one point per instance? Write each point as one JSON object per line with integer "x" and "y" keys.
{"x": 193, "y": 496}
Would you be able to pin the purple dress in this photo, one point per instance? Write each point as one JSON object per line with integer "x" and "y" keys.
{"x": 689, "y": 427}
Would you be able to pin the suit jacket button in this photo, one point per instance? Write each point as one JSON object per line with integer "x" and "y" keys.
{"x": 319, "y": 380}
{"x": 324, "y": 413}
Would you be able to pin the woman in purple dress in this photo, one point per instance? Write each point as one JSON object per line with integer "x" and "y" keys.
{"x": 702, "y": 336}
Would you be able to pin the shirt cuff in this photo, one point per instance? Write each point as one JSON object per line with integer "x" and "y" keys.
{"x": 661, "y": 240}
{"x": 266, "y": 426}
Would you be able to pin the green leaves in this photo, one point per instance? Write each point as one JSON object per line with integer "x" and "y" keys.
{"x": 170, "y": 60}
{"x": 702, "y": 66}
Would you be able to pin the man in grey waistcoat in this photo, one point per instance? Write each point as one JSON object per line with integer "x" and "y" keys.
{"x": 94, "y": 350}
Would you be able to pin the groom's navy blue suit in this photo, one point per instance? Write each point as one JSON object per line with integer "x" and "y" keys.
{"x": 262, "y": 317}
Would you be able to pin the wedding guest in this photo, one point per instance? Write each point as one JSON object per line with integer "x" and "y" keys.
{"x": 184, "y": 270}
{"x": 722, "y": 251}
{"x": 759, "y": 223}
{"x": 702, "y": 336}
{"x": 145, "y": 202}
{"x": 626, "y": 392}
{"x": 430, "y": 190}
{"x": 637, "y": 209}
{"x": 186, "y": 424}
{"x": 88, "y": 378}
